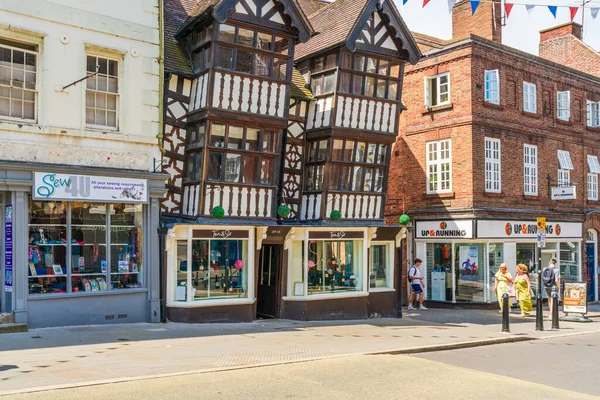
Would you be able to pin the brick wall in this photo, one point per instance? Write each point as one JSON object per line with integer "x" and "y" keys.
{"x": 468, "y": 120}
{"x": 486, "y": 22}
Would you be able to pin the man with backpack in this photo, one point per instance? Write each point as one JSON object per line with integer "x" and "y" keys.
{"x": 551, "y": 280}
{"x": 416, "y": 282}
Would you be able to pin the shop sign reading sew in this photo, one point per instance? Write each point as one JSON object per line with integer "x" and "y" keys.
{"x": 527, "y": 229}
{"x": 457, "y": 229}
{"x": 51, "y": 186}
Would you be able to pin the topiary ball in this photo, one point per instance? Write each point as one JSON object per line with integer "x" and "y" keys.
{"x": 335, "y": 215}
{"x": 284, "y": 211}
{"x": 404, "y": 219}
{"x": 218, "y": 212}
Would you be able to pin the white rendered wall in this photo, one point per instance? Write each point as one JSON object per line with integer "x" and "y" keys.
{"x": 107, "y": 28}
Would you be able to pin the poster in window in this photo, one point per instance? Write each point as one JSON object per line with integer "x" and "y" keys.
{"x": 123, "y": 266}
{"x": 469, "y": 262}
{"x": 57, "y": 269}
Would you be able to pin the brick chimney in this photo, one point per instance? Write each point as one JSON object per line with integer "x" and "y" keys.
{"x": 564, "y": 45}
{"x": 487, "y": 21}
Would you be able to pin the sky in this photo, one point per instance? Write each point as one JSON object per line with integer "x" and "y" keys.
{"x": 521, "y": 30}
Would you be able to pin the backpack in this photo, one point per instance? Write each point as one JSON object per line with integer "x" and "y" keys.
{"x": 548, "y": 277}
{"x": 408, "y": 275}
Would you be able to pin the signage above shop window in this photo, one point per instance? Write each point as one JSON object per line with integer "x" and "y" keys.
{"x": 450, "y": 229}
{"x": 564, "y": 193}
{"x": 51, "y": 186}
{"x": 219, "y": 234}
{"x": 528, "y": 229}
{"x": 336, "y": 235}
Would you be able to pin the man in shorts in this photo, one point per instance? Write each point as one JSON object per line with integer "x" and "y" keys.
{"x": 552, "y": 283}
{"x": 416, "y": 282}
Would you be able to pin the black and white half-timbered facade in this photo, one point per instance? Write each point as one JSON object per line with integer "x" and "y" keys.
{"x": 277, "y": 137}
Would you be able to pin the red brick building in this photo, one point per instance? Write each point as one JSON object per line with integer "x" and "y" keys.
{"x": 494, "y": 137}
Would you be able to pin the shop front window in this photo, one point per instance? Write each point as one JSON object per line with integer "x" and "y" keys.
{"x": 334, "y": 266}
{"x": 47, "y": 247}
{"x": 381, "y": 267}
{"x": 86, "y": 264}
{"x": 439, "y": 271}
{"x": 569, "y": 262}
{"x": 495, "y": 258}
{"x": 470, "y": 273}
{"x": 526, "y": 254}
{"x": 218, "y": 269}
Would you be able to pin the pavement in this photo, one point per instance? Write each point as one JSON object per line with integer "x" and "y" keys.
{"x": 54, "y": 358}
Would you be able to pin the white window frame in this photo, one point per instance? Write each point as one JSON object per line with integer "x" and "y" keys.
{"x": 593, "y": 164}
{"x": 34, "y": 91}
{"x": 564, "y": 178}
{"x": 592, "y": 184}
{"x": 492, "y": 86}
{"x": 530, "y": 169}
{"x": 493, "y": 166}
{"x": 390, "y": 249}
{"x": 593, "y": 114}
{"x": 563, "y": 105}
{"x": 439, "y": 156}
{"x": 431, "y": 80}
{"x": 530, "y": 97}
{"x": 120, "y": 66}
{"x": 564, "y": 160}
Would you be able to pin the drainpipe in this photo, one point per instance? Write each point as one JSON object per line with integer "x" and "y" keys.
{"x": 162, "y": 230}
{"x": 162, "y": 233}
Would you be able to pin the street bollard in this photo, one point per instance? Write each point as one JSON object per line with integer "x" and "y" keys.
{"x": 505, "y": 323}
{"x": 539, "y": 313}
{"x": 555, "y": 324}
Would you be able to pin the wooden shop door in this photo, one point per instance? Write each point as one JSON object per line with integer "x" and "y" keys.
{"x": 269, "y": 281}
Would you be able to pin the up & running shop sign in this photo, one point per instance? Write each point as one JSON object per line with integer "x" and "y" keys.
{"x": 451, "y": 229}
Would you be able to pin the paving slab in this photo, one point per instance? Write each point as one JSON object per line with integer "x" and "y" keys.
{"x": 77, "y": 356}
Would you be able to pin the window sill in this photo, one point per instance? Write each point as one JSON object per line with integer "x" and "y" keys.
{"x": 532, "y": 197}
{"x": 211, "y": 303}
{"x": 498, "y": 107}
{"x": 73, "y": 295}
{"x": 563, "y": 122}
{"x": 531, "y": 114}
{"x": 316, "y": 297}
{"x": 498, "y": 195}
{"x": 100, "y": 128}
{"x": 593, "y": 129}
{"x": 381, "y": 290}
{"x": 592, "y": 199}
{"x": 441, "y": 107}
{"x": 430, "y": 196}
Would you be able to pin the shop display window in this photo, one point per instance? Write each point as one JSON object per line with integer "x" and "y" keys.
{"x": 218, "y": 269}
{"x": 527, "y": 255}
{"x": 334, "y": 266}
{"x": 47, "y": 247}
{"x": 381, "y": 267}
{"x": 68, "y": 250}
{"x": 495, "y": 258}
{"x": 439, "y": 271}
{"x": 569, "y": 262}
{"x": 470, "y": 273}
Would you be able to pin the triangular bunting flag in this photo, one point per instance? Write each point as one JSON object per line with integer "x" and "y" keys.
{"x": 451, "y": 4}
{"x": 573, "y": 11}
{"x": 474, "y": 5}
{"x": 553, "y": 10}
{"x": 595, "y": 12}
{"x": 529, "y": 8}
{"x": 508, "y": 8}
{"x": 425, "y": 2}
{"x": 404, "y": 2}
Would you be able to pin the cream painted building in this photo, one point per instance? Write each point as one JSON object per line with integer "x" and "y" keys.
{"x": 80, "y": 118}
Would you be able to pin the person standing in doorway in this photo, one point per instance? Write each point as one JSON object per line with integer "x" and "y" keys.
{"x": 416, "y": 282}
{"x": 503, "y": 279}
{"x": 551, "y": 281}
{"x": 523, "y": 289}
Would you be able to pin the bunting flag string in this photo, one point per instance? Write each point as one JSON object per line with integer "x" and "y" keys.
{"x": 508, "y": 8}
{"x": 573, "y": 10}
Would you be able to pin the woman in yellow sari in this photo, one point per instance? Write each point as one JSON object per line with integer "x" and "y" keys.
{"x": 523, "y": 289}
{"x": 503, "y": 279}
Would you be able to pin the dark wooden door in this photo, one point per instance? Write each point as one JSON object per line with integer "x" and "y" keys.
{"x": 269, "y": 281}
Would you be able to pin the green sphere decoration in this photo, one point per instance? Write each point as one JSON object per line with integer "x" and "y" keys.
{"x": 284, "y": 211}
{"x": 218, "y": 212}
{"x": 404, "y": 219}
{"x": 335, "y": 215}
